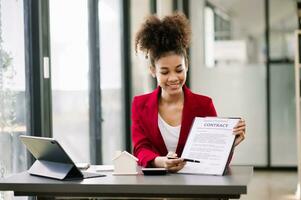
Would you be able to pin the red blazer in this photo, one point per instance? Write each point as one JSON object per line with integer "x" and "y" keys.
{"x": 146, "y": 137}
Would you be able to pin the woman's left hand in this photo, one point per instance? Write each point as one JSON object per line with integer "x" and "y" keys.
{"x": 239, "y": 131}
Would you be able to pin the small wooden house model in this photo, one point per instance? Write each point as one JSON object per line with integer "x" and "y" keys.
{"x": 125, "y": 164}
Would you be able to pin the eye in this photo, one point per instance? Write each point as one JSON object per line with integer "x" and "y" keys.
{"x": 164, "y": 73}
{"x": 179, "y": 71}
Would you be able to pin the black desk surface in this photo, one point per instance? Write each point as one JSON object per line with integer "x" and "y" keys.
{"x": 232, "y": 185}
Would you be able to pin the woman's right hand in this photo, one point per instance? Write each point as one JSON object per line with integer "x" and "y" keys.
{"x": 172, "y": 165}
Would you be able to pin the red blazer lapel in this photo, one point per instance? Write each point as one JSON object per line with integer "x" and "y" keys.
{"x": 188, "y": 114}
{"x": 152, "y": 107}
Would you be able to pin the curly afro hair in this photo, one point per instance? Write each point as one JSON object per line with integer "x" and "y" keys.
{"x": 158, "y": 37}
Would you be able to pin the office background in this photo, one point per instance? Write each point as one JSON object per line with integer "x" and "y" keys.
{"x": 69, "y": 71}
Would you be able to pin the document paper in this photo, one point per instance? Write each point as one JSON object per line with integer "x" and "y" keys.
{"x": 210, "y": 141}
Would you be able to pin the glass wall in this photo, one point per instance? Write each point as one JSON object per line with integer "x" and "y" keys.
{"x": 164, "y": 7}
{"x": 283, "y": 23}
{"x": 228, "y": 63}
{"x": 110, "y": 31}
{"x": 141, "y": 79}
{"x": 12, "y": 87}
{"x": 230, "y": 68}
{"x": 12, "y": 90}
{"x": 69, "y": 71}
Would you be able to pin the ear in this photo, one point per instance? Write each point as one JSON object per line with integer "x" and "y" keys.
{"x": 152, "y": 70}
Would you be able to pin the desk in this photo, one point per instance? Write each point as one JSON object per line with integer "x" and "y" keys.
{"x": 231, "y": 185}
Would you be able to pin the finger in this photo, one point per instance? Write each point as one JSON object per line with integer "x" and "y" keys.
{"x": 176, "y": 168}
{"x": 240, "y": 137}
{"x": 239, "y": 133}
{"x": 240, "y": 125}
{"x": 239, "y": 128}
{"x": 174, "y": 162}
{"x": 172, "y": 155}
{"x": 179, "y": 166}
{"x": 243, "y": 128}
{"x": 238, "y": 140}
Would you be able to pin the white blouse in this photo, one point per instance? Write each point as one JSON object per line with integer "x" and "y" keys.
{"x": 169, "y": 133}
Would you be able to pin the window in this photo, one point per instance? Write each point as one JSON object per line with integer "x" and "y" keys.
{"x": 282, "y": 89}
{"x": 69, "y": 71}
{"x": 12, "y": 90}
{"x": 141, "y": 79}
{"x": 110, "y": 31}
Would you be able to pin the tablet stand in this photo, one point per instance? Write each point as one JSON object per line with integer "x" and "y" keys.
{"x": 61, "y": 171}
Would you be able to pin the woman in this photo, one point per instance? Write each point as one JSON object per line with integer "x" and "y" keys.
{"x": 161, "y": 120}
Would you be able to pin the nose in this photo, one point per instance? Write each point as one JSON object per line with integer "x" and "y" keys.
{"x": 173, "y": 78}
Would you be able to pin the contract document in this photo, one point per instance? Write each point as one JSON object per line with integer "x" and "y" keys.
{"x": 210, "y": 142}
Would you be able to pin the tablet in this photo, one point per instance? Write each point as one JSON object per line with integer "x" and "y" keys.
{"x": 52, "y": 160}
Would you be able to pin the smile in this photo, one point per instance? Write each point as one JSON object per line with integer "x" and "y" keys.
{"x": 173, "y": 86}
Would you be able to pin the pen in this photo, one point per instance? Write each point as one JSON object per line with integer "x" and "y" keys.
{"x": 191, "y": 160}
{"x": 186, "y": 159}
